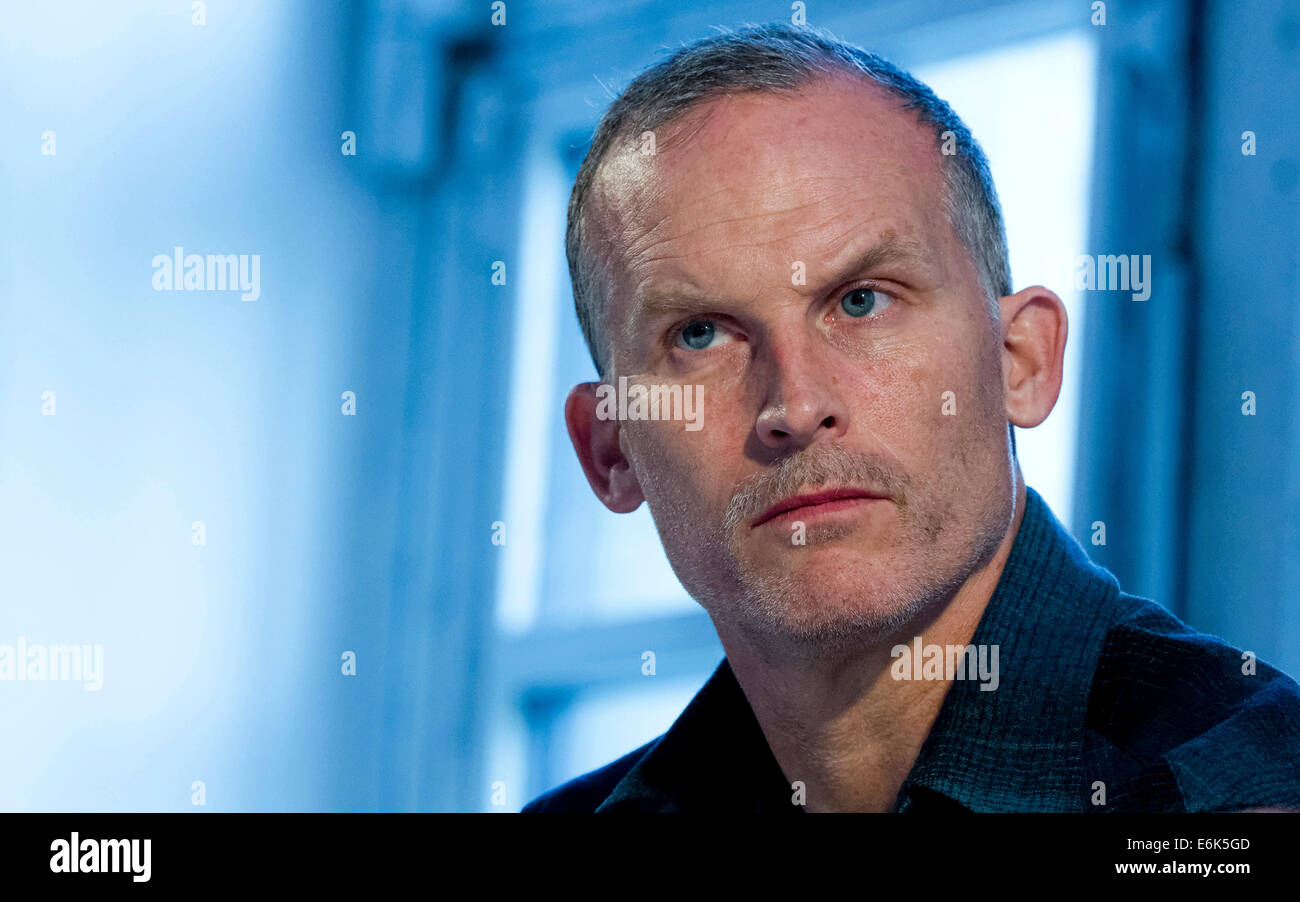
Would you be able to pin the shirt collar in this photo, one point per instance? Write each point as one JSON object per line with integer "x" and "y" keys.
{"x": 1018, "y": 747}
{"x": 713, "y": 758}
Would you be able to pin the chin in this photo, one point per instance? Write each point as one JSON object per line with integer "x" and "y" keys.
{"x": 832, "y": 600}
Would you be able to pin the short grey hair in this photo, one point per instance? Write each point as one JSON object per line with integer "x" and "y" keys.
{"x": 776, "y": 59}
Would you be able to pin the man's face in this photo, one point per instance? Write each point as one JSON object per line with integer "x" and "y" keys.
{"x": 879, "y": 371}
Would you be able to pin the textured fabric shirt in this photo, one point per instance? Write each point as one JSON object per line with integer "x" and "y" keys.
{"x": 1104, "y": 702}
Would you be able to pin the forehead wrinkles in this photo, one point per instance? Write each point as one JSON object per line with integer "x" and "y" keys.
{"x": 638, "y": 200}
{"x": 835, "y": 212}
{"x": 772, "y": 223}
{"x": 828, "y": 220}
{"x": 676, "y": 202}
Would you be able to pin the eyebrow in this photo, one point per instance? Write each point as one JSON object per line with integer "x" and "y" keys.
{"x": 892, "y": 247}
{"x": 686, "y": 297}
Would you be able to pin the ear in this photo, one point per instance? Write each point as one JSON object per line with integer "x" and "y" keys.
{"x": 597, "y": 441}
{"x": 1034, "y": 329}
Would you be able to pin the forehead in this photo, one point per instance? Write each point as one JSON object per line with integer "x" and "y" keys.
{"x": 752, "y": 178}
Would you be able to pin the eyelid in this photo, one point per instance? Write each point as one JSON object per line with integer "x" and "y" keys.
{"x": 870, "y": 285}
{"x": 675, "y": 332}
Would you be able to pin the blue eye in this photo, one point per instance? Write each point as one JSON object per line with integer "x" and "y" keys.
{"x": 698, "y": 334}
{"x": 863, "y": 302}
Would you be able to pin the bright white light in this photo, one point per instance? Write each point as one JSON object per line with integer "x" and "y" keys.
{"x": 1037, "y": 133}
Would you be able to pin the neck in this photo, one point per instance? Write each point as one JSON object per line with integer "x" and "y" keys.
{"x": 842, "y": 725}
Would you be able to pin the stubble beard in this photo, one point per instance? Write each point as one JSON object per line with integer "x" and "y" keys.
{"x": 793, "y": 612}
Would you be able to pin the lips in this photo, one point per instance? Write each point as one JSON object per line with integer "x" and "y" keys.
{"x": 812, "y": 499}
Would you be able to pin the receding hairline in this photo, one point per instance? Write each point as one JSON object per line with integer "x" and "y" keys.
{"x": 682, "y": 125}
{"x": 774, "y": 59}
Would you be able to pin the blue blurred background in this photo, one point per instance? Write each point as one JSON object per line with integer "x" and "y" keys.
{"x": 185, "y": 481}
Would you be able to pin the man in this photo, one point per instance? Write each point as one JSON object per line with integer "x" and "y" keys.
{"x": 810, "y": 239}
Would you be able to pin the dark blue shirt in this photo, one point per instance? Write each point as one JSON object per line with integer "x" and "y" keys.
{"x": 1105, "y": 702}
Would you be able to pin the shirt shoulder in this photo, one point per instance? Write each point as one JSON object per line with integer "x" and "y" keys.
{"x": 584, "y": 794}
{"x": 1186, "y": 715}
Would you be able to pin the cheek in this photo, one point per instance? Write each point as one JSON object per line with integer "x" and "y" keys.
{"x": 898, "y": 397}
{"x": 678, "y": 468}
{"x": 925, "y": 402}
{"x": 969, "y": 419}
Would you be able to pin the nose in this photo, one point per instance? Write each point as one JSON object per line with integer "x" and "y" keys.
{"x": 803, "y": 403}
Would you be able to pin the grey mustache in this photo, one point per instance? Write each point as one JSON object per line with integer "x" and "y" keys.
{"x": 806, "y": 472}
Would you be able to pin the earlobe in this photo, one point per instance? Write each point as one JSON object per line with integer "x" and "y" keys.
{"x": 1034, "y": 331}
{"x": 596, "y": 441}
